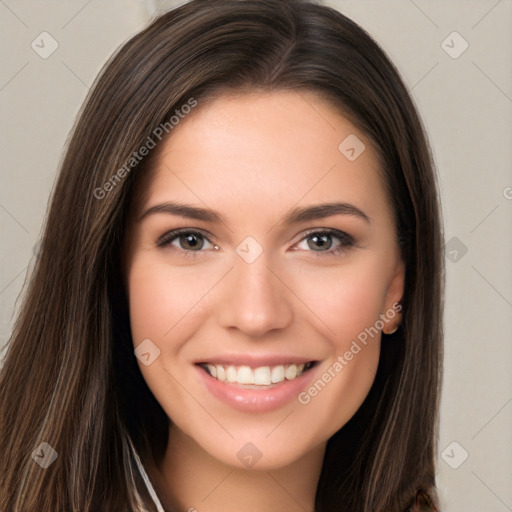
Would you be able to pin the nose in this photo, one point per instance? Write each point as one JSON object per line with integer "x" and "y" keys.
{"x": 254, "y": 299}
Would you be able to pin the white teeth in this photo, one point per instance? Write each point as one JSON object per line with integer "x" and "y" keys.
{"x": 245, "y": 375}
{"x": 291, "y": 372}
{"x": 231, "y": 375}
{"x": 221, "y": 373}
{"x": 212, "y": 369}
{"x": 277, "y": 374}
{"x": 261, "y": 376}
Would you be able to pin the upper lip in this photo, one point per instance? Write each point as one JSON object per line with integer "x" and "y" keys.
{"x": 254, "y": 360}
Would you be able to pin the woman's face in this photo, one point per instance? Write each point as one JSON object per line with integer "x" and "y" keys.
{"x": 257, "y": 325}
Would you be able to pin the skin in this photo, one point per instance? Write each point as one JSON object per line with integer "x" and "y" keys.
{"x": 253, "y": 158}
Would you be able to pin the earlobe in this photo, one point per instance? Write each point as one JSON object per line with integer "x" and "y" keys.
{"x": 392, "y": 331}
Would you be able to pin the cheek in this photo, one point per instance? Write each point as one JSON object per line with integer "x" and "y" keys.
{"x": 166, "y": 306}
{"x": 347, "y": 299}
{"x": 163, "y": 300}
{"x": 338, "y": 392}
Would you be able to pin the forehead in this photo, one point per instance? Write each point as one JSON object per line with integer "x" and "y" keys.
{"x": 262, "y": 151}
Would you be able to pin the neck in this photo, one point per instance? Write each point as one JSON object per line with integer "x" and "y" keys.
{"x": 191, "y": 480}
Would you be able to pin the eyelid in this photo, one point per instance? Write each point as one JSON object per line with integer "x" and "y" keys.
{"x": 342, "y": 235}
{"x": 169, "y": 236}
{"x": 346, "y": 240}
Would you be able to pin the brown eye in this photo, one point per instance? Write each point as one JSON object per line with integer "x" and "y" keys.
{"x": 186, "y": 240}
{"x": 327, "y": 242}
{"x": 191, "y": 241}
{"x": 320, "y": 241}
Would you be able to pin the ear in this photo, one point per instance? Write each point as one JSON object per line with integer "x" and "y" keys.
{"x": 394, "y": 295}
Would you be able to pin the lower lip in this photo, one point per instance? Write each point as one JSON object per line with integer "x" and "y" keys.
{"x": 256, "y": 400}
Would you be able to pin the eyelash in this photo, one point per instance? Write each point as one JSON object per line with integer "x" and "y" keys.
{"x": 346, "y": 240}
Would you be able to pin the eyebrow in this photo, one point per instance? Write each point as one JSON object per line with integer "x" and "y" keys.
{"x": 299, "y": 214}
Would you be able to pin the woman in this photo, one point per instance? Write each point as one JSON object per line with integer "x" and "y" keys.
{"x": 238, "y": 299}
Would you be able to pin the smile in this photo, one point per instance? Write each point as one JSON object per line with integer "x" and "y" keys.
{"x": 260, "y": 376}
{"x": 258, "y": 388}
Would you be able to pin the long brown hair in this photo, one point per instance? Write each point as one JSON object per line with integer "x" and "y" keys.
{"x": 70, "y": 378}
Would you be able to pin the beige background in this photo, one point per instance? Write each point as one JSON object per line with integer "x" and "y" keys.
{"x": 466, "y": 104}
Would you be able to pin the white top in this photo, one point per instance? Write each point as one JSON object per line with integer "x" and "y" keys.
{"x": 145, "y": 477}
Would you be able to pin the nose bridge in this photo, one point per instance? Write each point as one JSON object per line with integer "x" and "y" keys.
{"x": 253, "y": 299}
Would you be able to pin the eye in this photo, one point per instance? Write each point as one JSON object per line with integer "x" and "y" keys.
{"x": 186, "y": 240}
{"x": 323, "y": 242}
{"x": 326, "y": 242}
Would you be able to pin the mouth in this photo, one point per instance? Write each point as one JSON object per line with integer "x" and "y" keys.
{"x": 254, "y": 387}
{"x": 261, "y": 377}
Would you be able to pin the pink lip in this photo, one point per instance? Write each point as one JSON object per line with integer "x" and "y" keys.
{"x": 256, "y": 400}
{"x": 255, "y": 360}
